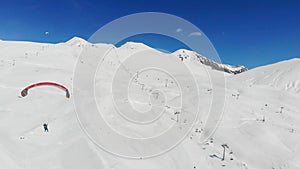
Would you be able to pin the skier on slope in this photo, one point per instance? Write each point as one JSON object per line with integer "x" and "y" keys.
{"x": 45, "y": 125}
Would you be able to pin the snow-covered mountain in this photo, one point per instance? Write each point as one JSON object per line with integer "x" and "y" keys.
{"x": 283, "y": 75}
{"x": 190, "y": 55}
{"x": 260, "y": 124}
{"x": 76, "y": 41}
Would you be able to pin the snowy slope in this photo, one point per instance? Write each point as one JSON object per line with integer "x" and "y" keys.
{"x": 261, "y": 122}
{"x": 76, "y": 41}
{"x": 283, "y": 75}
{"x": 195, "y": 57}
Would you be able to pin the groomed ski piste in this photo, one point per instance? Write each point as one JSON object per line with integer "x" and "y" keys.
{"x": 260, "y": 123}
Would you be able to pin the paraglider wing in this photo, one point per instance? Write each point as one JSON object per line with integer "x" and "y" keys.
{"x": 25, "y": 91}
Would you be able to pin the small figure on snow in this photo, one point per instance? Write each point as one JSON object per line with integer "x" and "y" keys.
{"x": 45, "y": 127}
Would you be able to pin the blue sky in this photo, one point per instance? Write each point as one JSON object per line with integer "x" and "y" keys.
{"x": 251, "y": 33}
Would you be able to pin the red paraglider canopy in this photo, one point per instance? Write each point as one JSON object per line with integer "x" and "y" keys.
{"x": 25, "y": 91}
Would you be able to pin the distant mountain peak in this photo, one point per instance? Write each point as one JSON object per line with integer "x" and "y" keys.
{"x": 135, "y": 45}
{"x": 185, "y": 55}
{"x": 282, "y": 75}
{"x": 182, "y": 54}
{"x": 191, "y": 56}
{"x": 76, "y": 41}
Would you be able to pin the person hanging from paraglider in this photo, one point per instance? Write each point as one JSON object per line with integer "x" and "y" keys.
{"x": 45, "y": 125}
{"x": 24, "y": 93}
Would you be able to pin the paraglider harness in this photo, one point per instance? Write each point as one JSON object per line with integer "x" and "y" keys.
{"x": 45, "y": 127}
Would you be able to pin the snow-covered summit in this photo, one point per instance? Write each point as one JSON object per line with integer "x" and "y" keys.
{"x": 184, "y": 55}
{"x": 283, "y": 75}
{"x": 76, "y": 41}
{"x": 134, "y": 45}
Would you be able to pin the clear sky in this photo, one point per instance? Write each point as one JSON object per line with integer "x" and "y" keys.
{"x": 248, "y": 32}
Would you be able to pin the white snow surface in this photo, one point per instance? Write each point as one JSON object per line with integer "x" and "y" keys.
{"x": 186, "y": 55}
{"x": 283, "y": 75}
{"x": 260, "y": 124}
